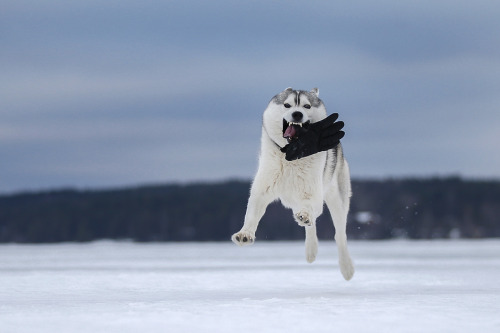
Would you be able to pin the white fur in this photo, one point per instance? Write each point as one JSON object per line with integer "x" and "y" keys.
{"x": 302, "y": 185}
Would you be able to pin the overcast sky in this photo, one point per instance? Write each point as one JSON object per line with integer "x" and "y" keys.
{"x": 96, "y": 94}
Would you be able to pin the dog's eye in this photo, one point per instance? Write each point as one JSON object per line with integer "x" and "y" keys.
{"x": 307, "y": 106}
{"x": 287, "y": 105}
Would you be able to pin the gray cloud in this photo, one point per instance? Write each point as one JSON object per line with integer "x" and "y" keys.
{"x": 98, "y": 94}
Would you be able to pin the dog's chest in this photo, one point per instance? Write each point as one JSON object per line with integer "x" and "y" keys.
{"x": 297, "y": 181}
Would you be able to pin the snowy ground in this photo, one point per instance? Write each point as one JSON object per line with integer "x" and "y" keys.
{"x": 399, "y": 286}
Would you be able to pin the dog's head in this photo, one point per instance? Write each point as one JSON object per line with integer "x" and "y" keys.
{"x": 292, "y": 111}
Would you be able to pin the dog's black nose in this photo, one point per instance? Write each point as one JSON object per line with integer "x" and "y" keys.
{"x": 297, "y": 116}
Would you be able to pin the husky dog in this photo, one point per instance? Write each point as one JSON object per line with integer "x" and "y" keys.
{"x": 303, "y": 184}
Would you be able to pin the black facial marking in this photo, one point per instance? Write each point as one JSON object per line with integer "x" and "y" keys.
{"x": 313, "y": 99}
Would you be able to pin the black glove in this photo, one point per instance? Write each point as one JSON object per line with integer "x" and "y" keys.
{"x": 320, "y": 136}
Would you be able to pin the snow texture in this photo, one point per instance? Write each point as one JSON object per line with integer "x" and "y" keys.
{"x": 399, "y": 286}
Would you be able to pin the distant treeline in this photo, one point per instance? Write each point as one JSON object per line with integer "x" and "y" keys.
{"x": 410, "y": 208}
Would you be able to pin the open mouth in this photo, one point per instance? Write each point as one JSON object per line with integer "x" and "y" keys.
{"x": 292, "y": 130}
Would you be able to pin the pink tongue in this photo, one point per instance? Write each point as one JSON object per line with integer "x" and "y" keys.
{"x": 289, "y": 132}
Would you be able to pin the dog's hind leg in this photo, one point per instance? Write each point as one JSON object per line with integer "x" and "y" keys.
{"x": 337, "y": 199}
{"x": 311, "y": 243}
{"x": 338, "y": 211}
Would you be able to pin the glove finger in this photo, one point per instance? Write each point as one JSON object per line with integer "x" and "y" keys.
{"x": 337, "y": 126}
{"x": 337, "y": 136}
{"x": 331, "y": 141}
{"x": 329, "y": 120}
{"x": 325, "y": 122}
{"x": 332, "y": 129}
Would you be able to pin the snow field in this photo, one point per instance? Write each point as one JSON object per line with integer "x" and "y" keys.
{"x": 399, "y": 286}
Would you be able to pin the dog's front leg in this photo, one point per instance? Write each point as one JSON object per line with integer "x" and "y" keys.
{"x": 260, "y": 198}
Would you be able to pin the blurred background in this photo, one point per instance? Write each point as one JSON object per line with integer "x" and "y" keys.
{"x": 102, "y": 98}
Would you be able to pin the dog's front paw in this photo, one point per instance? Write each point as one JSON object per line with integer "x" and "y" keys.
{"x": 303, "y": 219}
{"x": 243, "y": 238}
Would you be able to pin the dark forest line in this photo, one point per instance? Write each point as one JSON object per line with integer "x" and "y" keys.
{"x": 380, "y": 209}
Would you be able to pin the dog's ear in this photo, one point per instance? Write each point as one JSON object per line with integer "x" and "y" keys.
{"x": 288, "y": 89}
{"x": 315, "y": 91}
